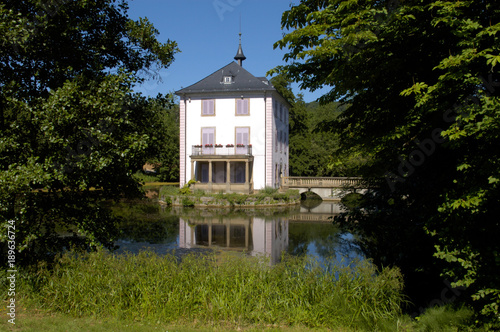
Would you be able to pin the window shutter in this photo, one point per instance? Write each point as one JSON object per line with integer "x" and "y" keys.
{"x": 241, "y": 106}
{"x": 242, "y": 137}
{"x": 208, "y": 107}
{"x": 207, "y": 137}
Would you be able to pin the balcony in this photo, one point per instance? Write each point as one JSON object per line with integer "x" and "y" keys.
{"x": 217, "y": 167}
{"x": 222, "y": 150}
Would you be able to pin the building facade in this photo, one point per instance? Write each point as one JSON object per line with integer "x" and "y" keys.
{"x": 254, "y": 235}
{"x": 233, "y": 131}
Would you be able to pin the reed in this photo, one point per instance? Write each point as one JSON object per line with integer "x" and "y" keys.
{"x": 212, "y": 290}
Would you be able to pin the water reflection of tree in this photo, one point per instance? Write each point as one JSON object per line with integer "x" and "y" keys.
{"x": 327, "y": 238}
{"x": 145, "y": 221}
{"x": 396, "y": 238}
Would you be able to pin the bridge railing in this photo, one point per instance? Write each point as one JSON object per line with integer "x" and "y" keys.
{"x": 319, "y": 182}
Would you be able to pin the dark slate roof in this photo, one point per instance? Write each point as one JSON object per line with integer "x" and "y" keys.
{"x": 242, "y": 80}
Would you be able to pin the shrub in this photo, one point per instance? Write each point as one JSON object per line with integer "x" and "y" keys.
{"x": 185, "y": 190}
{"x": 353, "y": 200}
{"x": 187, "y": 202}
{"x": 268, "y": 191}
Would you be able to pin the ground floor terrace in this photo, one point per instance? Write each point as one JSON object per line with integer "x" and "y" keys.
{"x": 230, "y": 173}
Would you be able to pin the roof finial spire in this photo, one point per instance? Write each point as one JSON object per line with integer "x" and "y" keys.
{"x": 239, "y": 55}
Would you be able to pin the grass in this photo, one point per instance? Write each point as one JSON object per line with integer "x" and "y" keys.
{"x": 231, "y": 292}
{"x": 145, "y": 292}
{"x": 31, "y": 319}
{"x": 446, "y": 319}
{"x": 35, "y": 320}
{"x": 143, "y": 177}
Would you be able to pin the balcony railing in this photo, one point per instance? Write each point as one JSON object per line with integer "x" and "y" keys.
{"x": 222, "y": 150}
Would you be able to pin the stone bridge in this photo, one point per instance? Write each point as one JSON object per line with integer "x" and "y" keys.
{"x": 328, "y": 188}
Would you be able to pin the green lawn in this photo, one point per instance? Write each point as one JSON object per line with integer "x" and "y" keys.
{"x": 35, "y": 320}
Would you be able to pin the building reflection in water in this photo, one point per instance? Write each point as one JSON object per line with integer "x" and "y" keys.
{"x": 251, "y": 234}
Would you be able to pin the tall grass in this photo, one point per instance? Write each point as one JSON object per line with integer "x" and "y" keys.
{"x": 205, "y": 288}
{"x": 143, "y": 177}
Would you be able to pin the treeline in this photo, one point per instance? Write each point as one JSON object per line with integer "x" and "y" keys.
{"x": 314, "y": 146}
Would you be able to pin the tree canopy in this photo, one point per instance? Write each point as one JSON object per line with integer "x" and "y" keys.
{"x": 71, "y": 128}
{"x": 421, "y": 81}
{"x": 312, "y": 142}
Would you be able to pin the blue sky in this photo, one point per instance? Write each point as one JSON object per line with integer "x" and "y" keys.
{"x": 207, "y": 34}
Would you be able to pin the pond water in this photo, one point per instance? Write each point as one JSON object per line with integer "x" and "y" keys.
{"x": 305, "y": 230}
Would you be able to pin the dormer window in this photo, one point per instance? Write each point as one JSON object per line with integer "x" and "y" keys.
{"x": 228, "y": 79}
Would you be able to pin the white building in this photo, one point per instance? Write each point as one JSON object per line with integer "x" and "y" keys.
{"x": 233, "y": 131}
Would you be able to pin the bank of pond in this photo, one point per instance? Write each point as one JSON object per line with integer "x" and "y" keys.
{"x": 267, "y": 197}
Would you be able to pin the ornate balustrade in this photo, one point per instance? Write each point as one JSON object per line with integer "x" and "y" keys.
{"x": 319, "y": 182}
{"x": 221, "y": 150}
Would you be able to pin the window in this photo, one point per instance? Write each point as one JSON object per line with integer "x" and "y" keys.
{"x": 275, "y": 109}
{"x": 242, "y": 106}
{"x": 208, "y": 107}
{"x": 208, "y": 140}
{"x": 228, "y": 79}
{"x": 242, "y": 138}
{"x": 238, "y": 172}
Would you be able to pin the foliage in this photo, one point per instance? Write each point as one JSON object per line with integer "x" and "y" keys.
{"x": 420, "y": 84}
{"x": 314, "y": 148}
{"x": 164, "y": 133}
{"x": 268, "y": 190}
{"x": 189, "y": 198}
{"x": 148, "y": 287}
{"x": 145, "y": 221}
{"x": 186, "y": 189}
{"x": 234, "y": 198}
{"x": 70, "y": 124}
{"x": 352, "y": 200}
{"x": 445, "y": 318}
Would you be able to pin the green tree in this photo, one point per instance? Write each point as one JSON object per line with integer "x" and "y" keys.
{"x": 421, "y": 80}
{"x": 310, "y": 148}
{"x": 71, "y": 129}
{"x": 165, "y": 130}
